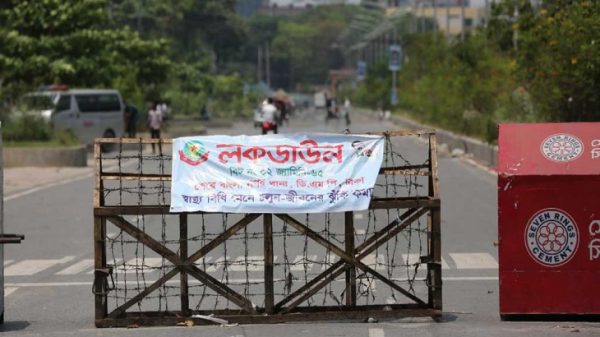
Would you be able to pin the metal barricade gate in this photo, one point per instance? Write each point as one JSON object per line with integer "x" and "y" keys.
{"x": 131, "y": 197}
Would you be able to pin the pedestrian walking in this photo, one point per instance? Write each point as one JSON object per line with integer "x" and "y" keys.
{"x": 155, "y": 120}
{"x": 131, "y": 119}
{"x": 347, "y": 108}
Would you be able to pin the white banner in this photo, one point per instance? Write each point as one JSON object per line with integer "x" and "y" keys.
{"x": 297, "y": 173}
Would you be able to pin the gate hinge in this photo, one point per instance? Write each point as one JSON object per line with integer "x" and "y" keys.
{"x": 100, "y": 285}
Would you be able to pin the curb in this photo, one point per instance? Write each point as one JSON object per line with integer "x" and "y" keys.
{"x": 45, "y": 156}
{"x": 480, "y": 152}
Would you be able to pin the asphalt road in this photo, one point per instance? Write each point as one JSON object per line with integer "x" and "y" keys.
{"x": 48, "y": 280}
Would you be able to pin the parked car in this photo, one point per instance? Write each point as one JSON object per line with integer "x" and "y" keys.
{"x": 89, "y": 113}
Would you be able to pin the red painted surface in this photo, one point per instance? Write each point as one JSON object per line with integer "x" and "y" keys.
{"x": 521, "y": 149}
{"x": 549, "y": 217}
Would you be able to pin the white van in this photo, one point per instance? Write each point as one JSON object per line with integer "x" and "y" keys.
{"x": 89, "y": 113}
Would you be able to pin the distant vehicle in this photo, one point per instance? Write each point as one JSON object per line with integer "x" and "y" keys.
{"x": 89, "y": 113}
{"x": 320, "y": 100}
{"x": 258, "y": 117}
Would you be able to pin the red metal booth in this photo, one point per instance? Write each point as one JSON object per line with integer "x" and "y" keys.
{"x": 549, "y": 218}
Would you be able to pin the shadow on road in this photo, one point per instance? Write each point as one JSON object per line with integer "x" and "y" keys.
{"x": 446, "y": 318}
{"x": 14, "y": 326}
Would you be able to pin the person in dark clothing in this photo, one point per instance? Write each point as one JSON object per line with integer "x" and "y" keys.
{"x": 132, "y": 115}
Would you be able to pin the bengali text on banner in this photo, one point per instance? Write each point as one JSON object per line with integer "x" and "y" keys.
{"x": 295, "y": 173}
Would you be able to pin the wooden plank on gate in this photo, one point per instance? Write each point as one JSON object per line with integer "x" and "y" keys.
{"x": 183, "y": 253}
{"x": 350, "y": 260}
{"x": 374, "y": 238}
{"x": 390, "y": 203}
{"x": 140, "y": 296}
{"x": 351, "y": 272}
{"x": 100, "y": 297}
{"x": 168, "y": 254}
{"x": 222, "y": 237}
{"x": 362, "y": 251}
{"x": 268, "y": 272}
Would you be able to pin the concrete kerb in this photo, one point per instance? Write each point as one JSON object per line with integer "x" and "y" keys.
{"x": 75, "y": 156}
{"x": 481, "y": 152}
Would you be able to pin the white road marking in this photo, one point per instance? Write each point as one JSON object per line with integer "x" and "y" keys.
{"x": 112, "y": 262}
{"x": 62, "y": 182}
{"x": 378, "y": 264}
{"x": 358, "y": 216}
{"x": 112, "y": 236}
{"x": 9, "y": 290}
{"x": 134, "y": 219}
{"x": 200, "y": 262}
{"x": 414, "y": 258}
{"x": 360, "y": 232}
{"x": 43, "y": 187}
{"x": 231, "y": 281}
{"x": 30, "y": 267}
{"x": 219, "y": 263}
{"x": 255, "y": 263}
{"x": 78, "y": 267}
{"x": 376, "y": 332}
{"x": 299, "y": 262}
{"x": 366, "y": 284}
{"x": 147, "y": 265}
{"x": 330, "y": 258}
{"x": 474, "y": 261}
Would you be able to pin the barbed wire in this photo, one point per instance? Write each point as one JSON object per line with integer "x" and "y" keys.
{"x": 238, "y": 262}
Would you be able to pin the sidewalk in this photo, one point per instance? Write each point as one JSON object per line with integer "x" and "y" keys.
{"x": 23, "y": 180}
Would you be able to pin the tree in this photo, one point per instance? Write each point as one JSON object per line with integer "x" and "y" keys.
{"x": 70, "y": 41}
{"x": 560, "y": 61}
{"x": 308, "y": 46}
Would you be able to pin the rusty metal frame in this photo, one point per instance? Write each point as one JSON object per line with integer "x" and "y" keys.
{"x": 288, "y": 309}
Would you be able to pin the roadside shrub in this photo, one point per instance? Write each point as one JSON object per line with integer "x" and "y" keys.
{"x": 26, "y": 128}
{"x": 65, "y": 137}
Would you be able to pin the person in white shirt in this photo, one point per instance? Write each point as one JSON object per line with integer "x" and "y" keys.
{"x": 155, "y": 120}
{"x": 346, "y": 111}
{"x": 269, "y": 117}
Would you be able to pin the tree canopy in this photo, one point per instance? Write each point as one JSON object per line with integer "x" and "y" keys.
{"x": 70, "y": 41}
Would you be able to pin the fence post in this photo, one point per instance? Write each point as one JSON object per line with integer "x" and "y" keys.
{"x": 183, "y": 253}
{"x": 268, "y": 247}
{"x": 100, "y": 287}
{"x": 434, "y": 267}
{"x": 351, "y": 272}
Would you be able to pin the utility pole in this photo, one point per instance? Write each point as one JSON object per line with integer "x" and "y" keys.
{"x": 434, "y": 4}
{"x": 139, "y": 17}
{"x": 259, "y": 65}
{"x": 462, "y": 19}
{"x": 516, "y": 30}
{"x": 268, "y": 63}
{"x": 447, "y": 19}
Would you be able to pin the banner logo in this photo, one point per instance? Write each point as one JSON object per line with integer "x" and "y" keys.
{"x": 562, "y": 147}
{"x": 193, "y": 153}
{"x": 551, "y": 237}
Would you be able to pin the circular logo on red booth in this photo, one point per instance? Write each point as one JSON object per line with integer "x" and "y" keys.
{"x": 562, "y": 147}
{"x": 551, "y": 237}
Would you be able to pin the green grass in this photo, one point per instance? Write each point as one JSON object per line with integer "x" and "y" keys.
{"x": 50, "y": 143}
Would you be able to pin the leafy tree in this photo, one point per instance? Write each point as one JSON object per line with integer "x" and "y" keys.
{"x": 307, "y": 45}
{"x": 69, "y": 41}
{"x": 559, "y": 61}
